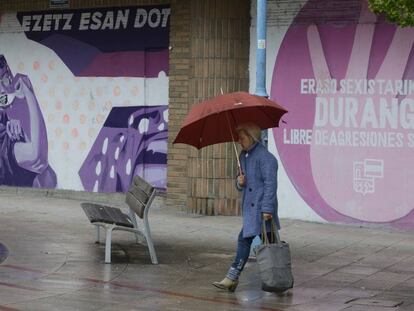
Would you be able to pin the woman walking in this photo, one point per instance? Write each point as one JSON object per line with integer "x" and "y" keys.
{"x": 257, "y": 181}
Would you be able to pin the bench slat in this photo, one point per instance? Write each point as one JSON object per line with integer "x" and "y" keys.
{"x": 139, "y": 194}
{"x": 143, "y": 185}
{"x": 135, "y": 204}
{"x": 106, "y": 214}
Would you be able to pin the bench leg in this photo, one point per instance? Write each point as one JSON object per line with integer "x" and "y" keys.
{"x": 108, "y": 244}
{"x": 134, "y": 221}
{"x": 151, "y": 248}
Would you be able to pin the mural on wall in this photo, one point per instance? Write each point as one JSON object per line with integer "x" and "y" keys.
{"x": 94, "y": 70}
{"x": 23, "y": 137}
{"x": 348, "y": 141}
{"x": 133, "y": 141}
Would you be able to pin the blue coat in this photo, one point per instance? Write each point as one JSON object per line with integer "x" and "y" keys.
{"x": 259, "y": 194}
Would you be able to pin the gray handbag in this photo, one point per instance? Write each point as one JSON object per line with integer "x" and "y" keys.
{"x": 274, "y": 261}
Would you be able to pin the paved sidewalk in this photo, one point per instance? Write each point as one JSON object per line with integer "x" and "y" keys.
{"x": 53, "y": 264}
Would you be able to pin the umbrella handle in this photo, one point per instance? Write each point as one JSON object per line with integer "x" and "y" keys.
{"x": 234, "y": 144}
{"x": 237, "y": 156}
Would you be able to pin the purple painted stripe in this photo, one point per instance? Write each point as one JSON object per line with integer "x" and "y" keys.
{"x": 127, "y": 64}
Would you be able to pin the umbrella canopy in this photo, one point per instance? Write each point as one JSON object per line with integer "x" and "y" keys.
{"x": 214, "y": 121}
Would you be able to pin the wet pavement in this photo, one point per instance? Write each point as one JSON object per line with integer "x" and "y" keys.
{"x": 52, "y": 263}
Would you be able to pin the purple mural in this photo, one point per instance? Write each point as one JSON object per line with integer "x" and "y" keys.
{"x": 23, "y": 137}
{"x": 115, "y": 42}
{"x": 347, "y": 79}
{"x": 109, "y": 42}
{"x": 133, "y": 141}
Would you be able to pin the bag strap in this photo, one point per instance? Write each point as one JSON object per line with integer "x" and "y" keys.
{"x": 274, "y": 233}
{"x": 263, "y": 234}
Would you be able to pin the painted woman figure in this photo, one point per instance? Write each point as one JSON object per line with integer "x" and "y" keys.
{"x": 258, "y": 183}
{"x": 23, "y": 137}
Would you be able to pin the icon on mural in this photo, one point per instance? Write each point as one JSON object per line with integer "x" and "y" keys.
{"x": 133, "y": 141}
{"x": 365, "y": 173}
{"x": 353, "y": 101}
{"x": 23, "y": 137}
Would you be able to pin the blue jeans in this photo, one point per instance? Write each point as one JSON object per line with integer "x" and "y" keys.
{"x": 242, "y": 254}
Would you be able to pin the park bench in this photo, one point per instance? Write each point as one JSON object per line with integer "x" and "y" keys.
{"x": 139, "y": 198}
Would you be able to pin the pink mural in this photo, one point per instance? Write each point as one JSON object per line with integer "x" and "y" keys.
{"x": 348, "y": 141}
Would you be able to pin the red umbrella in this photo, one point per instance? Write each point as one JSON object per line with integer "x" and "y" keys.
{"x": 214, "y": 121}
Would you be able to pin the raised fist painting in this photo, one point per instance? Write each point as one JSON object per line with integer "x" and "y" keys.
{"x": 23, "y": 137}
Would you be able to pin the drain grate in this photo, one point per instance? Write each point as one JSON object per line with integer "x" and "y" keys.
{"x": 3, "y": 253}
{"x": 375, "y": 302}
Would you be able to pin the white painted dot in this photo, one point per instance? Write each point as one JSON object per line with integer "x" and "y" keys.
{"x": 161, "y": 127}
{"x": 117, "y": 153}
{"x": 112, "y": 172}
{"x": 128, "y": 167}
{"x": 131, "y": 120}
{"x": 158, "y": 146}
{"x": 165, "y": 115}
{"x": 98, "y": 168}
{"x": 95, "y": 187}
{"x": 143, "y": 125}
{"x": 105, "y": 146}
{"x": 121, "y": 139}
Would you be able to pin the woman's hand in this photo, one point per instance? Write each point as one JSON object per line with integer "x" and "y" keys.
{"x": 241, "y": 180}
{"x": 266, "y": 216}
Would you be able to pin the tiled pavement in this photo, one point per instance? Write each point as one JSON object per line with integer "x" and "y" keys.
{"x": 53, "y": 264}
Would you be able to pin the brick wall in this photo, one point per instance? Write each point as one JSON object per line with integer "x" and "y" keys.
{"x": 180, "y": 66}
{"x": 210, "y": 52}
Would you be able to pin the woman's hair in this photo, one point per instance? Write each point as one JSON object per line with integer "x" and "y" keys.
{"x": 251, "y": 129}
